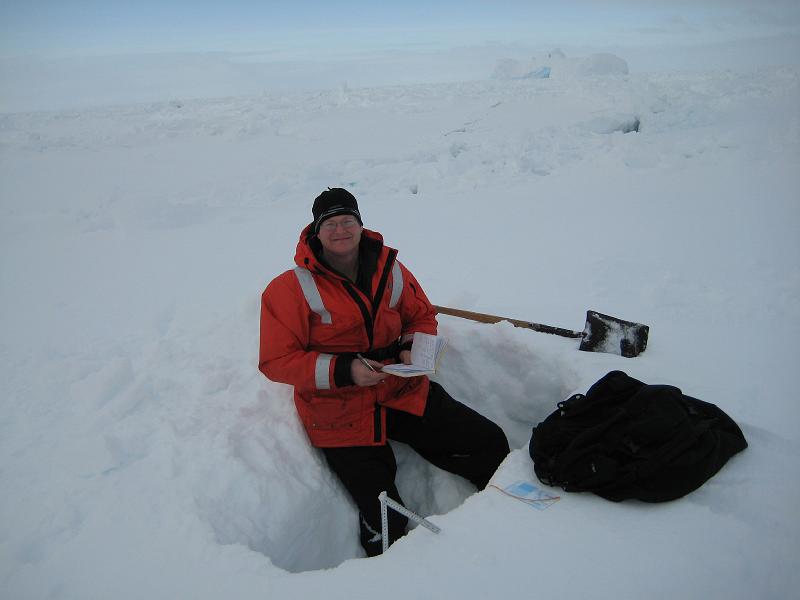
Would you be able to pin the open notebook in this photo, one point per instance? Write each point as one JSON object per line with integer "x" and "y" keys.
{"x": 426, "y": 352}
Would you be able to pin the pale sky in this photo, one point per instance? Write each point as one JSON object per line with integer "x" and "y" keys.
{"x": 58, "y": 54}
{"x": 318, "y": 27}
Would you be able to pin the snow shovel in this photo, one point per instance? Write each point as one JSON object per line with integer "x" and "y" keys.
{"x": 602, "y": 333}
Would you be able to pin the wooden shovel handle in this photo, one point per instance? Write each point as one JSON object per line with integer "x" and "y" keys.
{"x": 484, "y": 318}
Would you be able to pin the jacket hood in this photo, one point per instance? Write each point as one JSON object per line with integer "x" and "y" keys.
{"x": 308, "y": 247}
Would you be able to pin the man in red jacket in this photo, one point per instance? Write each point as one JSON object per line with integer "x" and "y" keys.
{"x": 349, "y": 295}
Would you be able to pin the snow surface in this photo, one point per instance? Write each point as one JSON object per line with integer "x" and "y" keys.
{"x": 144, "y": 455}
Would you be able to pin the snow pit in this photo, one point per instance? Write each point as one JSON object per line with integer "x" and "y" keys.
{"x": 275, "y": 494}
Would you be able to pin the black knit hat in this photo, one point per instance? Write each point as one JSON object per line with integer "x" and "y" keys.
{"x": 332, "y": 202}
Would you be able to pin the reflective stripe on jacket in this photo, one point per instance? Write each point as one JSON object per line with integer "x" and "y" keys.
{"x": 311, "y": 316}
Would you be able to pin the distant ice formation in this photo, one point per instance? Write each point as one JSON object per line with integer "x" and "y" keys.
{"x": 556, "y": 64}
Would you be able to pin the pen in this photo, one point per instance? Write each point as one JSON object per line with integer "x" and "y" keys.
{"x": 365, "y": 363}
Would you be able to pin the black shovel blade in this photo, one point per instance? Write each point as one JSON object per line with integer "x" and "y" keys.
{"x": 615, "y": 336}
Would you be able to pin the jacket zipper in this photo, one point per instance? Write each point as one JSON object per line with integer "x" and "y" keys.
{"x": 369, "y": 325}
{"x": 367, "y": 314}
{"x": 377, "y": 423}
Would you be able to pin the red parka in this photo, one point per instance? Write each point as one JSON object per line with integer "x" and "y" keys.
{"x": 313, "y": 318}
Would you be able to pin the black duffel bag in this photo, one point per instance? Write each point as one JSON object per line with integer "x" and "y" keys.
{"x": 626, "y": 439}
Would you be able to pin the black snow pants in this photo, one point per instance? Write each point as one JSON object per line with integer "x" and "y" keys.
{"x": 450, "y": 435}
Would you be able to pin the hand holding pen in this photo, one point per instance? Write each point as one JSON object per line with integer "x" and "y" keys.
{"x": 366, "y": 372}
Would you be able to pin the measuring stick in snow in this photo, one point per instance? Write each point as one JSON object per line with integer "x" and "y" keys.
{"x": 396, "y": 506}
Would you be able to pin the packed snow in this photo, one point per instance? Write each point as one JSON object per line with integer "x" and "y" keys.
{"x": 144, "y": 455}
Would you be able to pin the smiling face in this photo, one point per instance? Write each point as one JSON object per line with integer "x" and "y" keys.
{"x": 340, "y": 235}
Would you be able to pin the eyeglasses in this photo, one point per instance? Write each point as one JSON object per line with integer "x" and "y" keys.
{"x": 330, "y": 225}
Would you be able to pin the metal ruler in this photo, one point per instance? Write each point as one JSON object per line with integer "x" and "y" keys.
{"x": 387, "y": 502}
